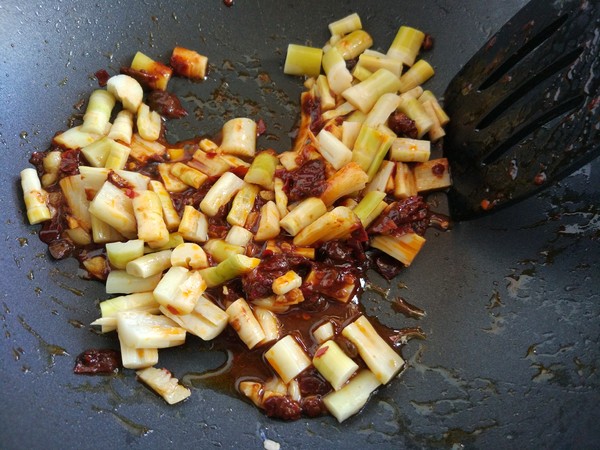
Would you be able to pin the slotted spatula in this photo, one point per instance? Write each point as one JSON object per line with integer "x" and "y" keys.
{"x": 525, "y": 109}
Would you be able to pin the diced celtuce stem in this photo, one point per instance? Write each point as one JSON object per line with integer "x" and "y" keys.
{"x": 441, "y": 114}
{"x": 141, "y": 301}
{"x": 150, "y": 264}
{"x": 335, "y": 366}
{"x": 127, "y": 90}
{"x": 238, "y": 236}
{"x": 327, "y": 100}
{"x": 386, "y": 137}
{"x": 175, "y": 239}
{"x": 333, "y": 150}
{"x": 164, "y": 384}
{"x": 404, "y": 248}
{"x": 170, "y": 215}
{"x": 210, "y": 164}
{"x": 333, "y": 224}
{"x": 51, "y": 165}
{"x": 120, "y": 282}
{"x": 189, "y": 63}
{"x": 194, "y": 225}
{"x": 349, "y": 179}
{"x": 79, "y": 236}
{"x": 262, "y": 169}
{"x": 113, "y": 206}
{"x": 97, "y": 152}
{"x": 232, "y": 267}
{"x": 206, "y": 320}
{"x": 139, "y": 329}
{"x": 117, "y": 156}
{"x": 179, "y": 290}
{"x": 220, "y": 193}
{"x": 151, "y": 227}
{"x": 75, "y": 138}
{"x": 361, "y": 73}
{"x": 418, "y": 74}
{"x": 269, "y": 323}
{"x": 76, "y": 196}
{"x": 161, "y": 72}
{"x": 406, "y": 45}
{"x": 338, "y": 75}
{"x": 138, "y": 358}
{"x": 381, "y": 178}
{"x": 148, "y": 123}
{"x": 342, "y": 110}
{"x": 189, "y": 255}
{"x": 103, "y": 233}
{"x": 353, "y": 44}
{"x": 383, "y": 108}
{"x": 323, "y": 332}
{"x": 287, "y": 358}
{"x": 410, "y": 150}
{"x": 404, "y": 181}
{"x": 305, "y": 213}
{"x": 144, "y": 150}
{"x": 373, "y": 63}
{"x": 414, "y": 110}
{"x": 382, "y": 360}
{"x": 268, "y": 227}
{"x": 352, "y": 397}
{"x": 345, "y": 25}
{"x": 120, "y": 253}
{"x": 281, "y": 198}
{"x": 220, "y": 249}
{"x": 188, "y": 175}
{"x": 432, "y": 174}
{"x": 242, "y": 320}
{"x": 239, "y": 137}
{"x": 350, "y": 131}
{"x": 243, "y": 203}
{"x": 35, "y": 197}
{"x": 436, "y": 132}
{"x": 293, "y": 390}
{"x": 286, "y": 282}
{"x": 368, "y": 204}
{"x": 364, "y": 94}
{"x": 122, "y": 127}
{"x": 171, "y": 182}
{"x": 97, "y": 113}
{"x": 303, "y": 60}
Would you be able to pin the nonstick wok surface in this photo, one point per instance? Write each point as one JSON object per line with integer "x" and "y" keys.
{"x": 512, "y": 354}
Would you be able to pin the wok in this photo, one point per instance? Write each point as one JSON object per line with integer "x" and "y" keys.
{"x": 512, "y": 355}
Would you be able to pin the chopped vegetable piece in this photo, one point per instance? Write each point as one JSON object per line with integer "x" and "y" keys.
{"x": 127, "y": 90}
{"x": 120, "y": 282}
{"x": 206, "y": 320}
{"x": 179, "y": 290}
{"x": 364, "y": 94}
{"x": 97, "y": 114}
{"x": 164, "y": 384}
{"x": 188, "y": 63}
{"x": 120, "y": 253}
{"x": 220, "y": 193}
{"x": 381, "y": 359}
{"x": 239, "y": 137}
{"x": 353, "y": 44}
{"x": 352, "y": 397}
{"x": 160, "y": 73}
{"x": 335, "y": 366}
{"x": 242, "y": 319}
{"x": 189, "y": 255}
{"x": 345, "y": 25}
{"x": 432, "y": 174}
{"x": 287, "y": 358}
{"x": 406, "y": 45}
{"x": 35, "y": 197}
{"x": 303, "y": 60}
{"x": 150, "y": 264}
{"x": 139, "y": 329}
{"x": 404, "y": 248}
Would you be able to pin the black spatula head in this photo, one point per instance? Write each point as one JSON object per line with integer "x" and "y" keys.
{"x": 525, "y": 109}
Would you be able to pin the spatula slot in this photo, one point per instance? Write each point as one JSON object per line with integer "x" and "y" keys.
{"x": 559, "y": 112}
{"x": 529, "y": 46}
{"x": 527, "y": 87}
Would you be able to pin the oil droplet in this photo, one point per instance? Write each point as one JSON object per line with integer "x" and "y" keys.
{"x": 23, "y": 134}
{"x": 22, "y": 241}
{"x": 76, "y": 323}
